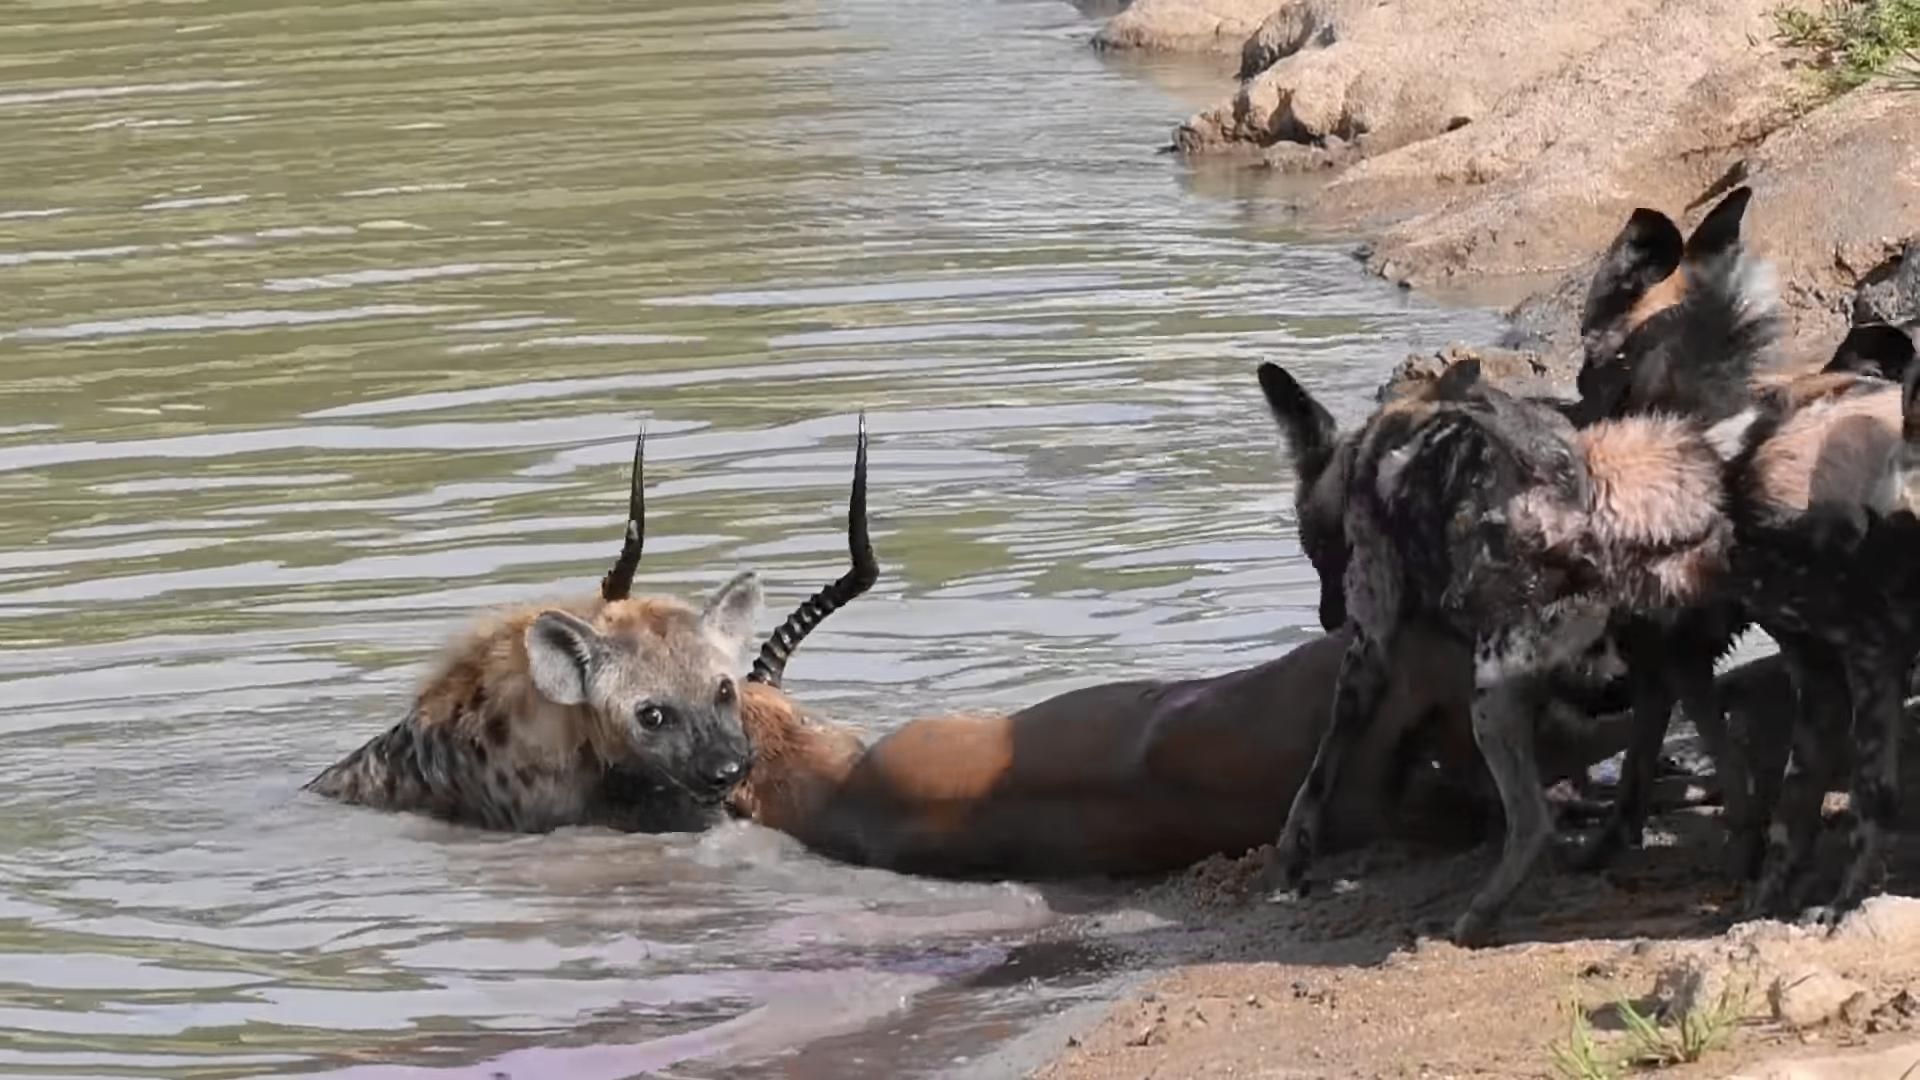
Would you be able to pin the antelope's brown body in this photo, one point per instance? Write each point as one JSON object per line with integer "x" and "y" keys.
{"x": 1123, "y": 778}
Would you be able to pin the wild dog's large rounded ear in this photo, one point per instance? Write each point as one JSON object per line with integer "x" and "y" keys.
{"x": 1307, "y": 426}
{"x": 1645, "y": 253}
{"x": 733, "y": 609}
{"x": 1719, "y": 232}
{"x": 1877, "y": 349}
{"x": 561, "y": 652}
{"x": 1460, "y": 376}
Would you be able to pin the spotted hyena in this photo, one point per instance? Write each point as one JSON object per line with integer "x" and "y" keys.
{"x": 613, "y": 710}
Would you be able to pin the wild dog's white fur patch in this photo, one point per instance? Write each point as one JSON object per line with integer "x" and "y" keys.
{"x": 1729, "y": 436}
{"x": 1553, "y": 637}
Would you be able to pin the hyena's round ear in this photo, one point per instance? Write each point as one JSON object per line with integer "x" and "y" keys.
{"x": 733, "y": 609}
{"x": 1308, "y": 427}
{"x": 561, "y": 652}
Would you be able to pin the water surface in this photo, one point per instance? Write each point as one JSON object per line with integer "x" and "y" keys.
{"x": 326, "y": 323}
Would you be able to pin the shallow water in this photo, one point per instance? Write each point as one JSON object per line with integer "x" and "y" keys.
{"x": 327, "y": 322}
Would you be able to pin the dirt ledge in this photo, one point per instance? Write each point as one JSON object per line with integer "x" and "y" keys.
{"x": 1501, "y": 140}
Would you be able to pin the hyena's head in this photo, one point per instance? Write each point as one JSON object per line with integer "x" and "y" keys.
{"x": 1676, "y": 325}
{"x": 653, "y": 681}
{"x": 1321, "y": 462}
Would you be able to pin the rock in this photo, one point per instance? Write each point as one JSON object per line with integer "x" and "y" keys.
{"x": 1403, "y": 71}
{"x": 1189, "y": 26}
{"x": 1516, "y": 372}
{"x": 1889, "y": 924}
{"x": 1649, "y": 114}
{"x": 1810, "y": 996}
{"x": 1838, "y": 242}
{"x": 1285, "y": 32}
{"x": 1890, "y": 292}
{"x": 1707, "y": 982}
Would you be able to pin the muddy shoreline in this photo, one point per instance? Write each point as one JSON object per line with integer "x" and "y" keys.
{"x": 1481, "y": 150}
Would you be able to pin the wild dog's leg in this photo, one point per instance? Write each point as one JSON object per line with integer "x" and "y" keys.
{"x": 1767, "y": 729}
{"x": 1363, "y": 679}
{"x": 1876, "y": 673}
{"x": 1653, "y": 699}
{"x": 1503, "y": 720}
{"x": 1820, "y": 684}
{"x": 1700, "y": 702}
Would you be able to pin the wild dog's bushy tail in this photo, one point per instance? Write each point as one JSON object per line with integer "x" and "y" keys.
{"x": 1723, "y": 332}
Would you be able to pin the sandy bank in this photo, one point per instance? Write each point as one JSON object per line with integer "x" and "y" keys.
{"x": 1501, "y": 141}
{"x": 1356, "y": 980}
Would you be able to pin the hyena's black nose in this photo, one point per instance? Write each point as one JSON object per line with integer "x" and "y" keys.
{"x": 727, "y": 772}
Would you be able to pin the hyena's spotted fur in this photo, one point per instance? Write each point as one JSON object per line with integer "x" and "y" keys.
{"x": 611, "y": 710}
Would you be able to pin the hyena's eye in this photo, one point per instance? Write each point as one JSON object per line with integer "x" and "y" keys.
{"x": 651, "y": 717}
{"x": 724, "y": 695}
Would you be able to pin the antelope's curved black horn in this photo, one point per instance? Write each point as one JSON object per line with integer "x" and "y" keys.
{"x": 619, "y": 581}
{"x": 771, "y": 664}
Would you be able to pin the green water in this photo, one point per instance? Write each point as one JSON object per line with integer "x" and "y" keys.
{"x": 326, "y": 323}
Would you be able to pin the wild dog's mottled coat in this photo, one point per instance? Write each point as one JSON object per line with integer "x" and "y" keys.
{"x": 1829, "y": 562}
{"x": 1465, "y": 508}
{"x": 1628, "y": 512}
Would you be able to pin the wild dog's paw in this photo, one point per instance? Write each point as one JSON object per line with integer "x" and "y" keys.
{"x": 1746, "y": 853}
{"x": 1287, "y": 864}
{"x": 1598, "y": 853}
{"x": 1472, "y": 929}
{"x": 1827, "y": 918}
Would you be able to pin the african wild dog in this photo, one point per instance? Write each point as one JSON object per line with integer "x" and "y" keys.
{"x": 1678, "y": 327}
{"x": 1828, "y": 562}
{"x": 618, "y": 711}
{"x": 1494, "y": 519}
